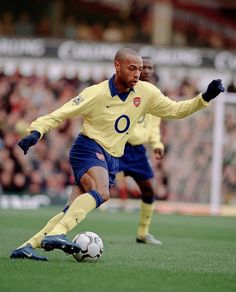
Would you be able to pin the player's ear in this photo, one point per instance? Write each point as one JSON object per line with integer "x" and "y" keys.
{"x": 117, "y": 66}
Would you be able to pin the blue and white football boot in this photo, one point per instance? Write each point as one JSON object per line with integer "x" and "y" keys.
{"x": 61, "y": 242}
{"x": 26, "y": 252}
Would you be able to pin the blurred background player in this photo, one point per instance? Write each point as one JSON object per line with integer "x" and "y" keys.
{"x": 135, "y": 162}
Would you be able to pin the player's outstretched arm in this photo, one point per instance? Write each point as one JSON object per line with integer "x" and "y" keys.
{"x": 29, "y": 141}
{"x": 213, "y": 89}
{"x": 166, "y": 108}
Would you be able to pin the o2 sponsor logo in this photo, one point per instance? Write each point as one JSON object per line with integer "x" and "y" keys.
{"x": 122, "y": 124}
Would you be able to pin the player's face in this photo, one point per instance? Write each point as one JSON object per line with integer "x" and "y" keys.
{"x": 148, "y": 70}
{"x": 128, "y": 70}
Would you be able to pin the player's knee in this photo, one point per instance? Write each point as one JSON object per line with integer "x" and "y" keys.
{"x": 87, "y": 182}
{"x": 146, "y": 188}
{"x": 148, "y": 193}
{"x": 148, "y": 199}
{"x": 99, "y": 197}
{"x": 105, "y": 195}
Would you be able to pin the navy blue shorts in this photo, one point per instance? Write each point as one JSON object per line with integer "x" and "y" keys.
{"x": 135, "y": 163}
{"x": 86, "y": 153}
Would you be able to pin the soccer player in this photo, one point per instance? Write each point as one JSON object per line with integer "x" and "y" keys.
{"x": 110, "y": 111}
{"x": 135, "y": 162}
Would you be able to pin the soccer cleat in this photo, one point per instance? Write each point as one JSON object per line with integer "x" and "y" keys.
{"x": 26, "y": 252}
{"x": 149, "y": 239}
{"x": 51, "y": 242}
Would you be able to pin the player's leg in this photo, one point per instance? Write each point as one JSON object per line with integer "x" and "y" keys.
{"x": 139, "y": 168}
{"x": 95, "y": 182}
{"x": 146, "y": 212}
{"x": 35, "y": 240}
{"x": 26, "y": 250}
{"x": 121, "y": 187}
{"x": 125, "y": 163}
{"x": 94, "y": 170}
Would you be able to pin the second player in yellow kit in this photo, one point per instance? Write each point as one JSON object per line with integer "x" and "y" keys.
{"x": 110, "y": 111}
{"x": 135, "y": 162}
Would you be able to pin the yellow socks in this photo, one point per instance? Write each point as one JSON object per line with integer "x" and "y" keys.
{"x": 145, "y": 219}
{"x": 78, "y": 210}
{"x": 35, "y": 240}
{"x": 64, "y": 222}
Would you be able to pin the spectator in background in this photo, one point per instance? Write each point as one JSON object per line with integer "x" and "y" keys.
{"x": 44, "y": 27}
{"x": 24, "y": 26}
{"x": 232, "y": 86}
{"x": 129, "y": 32}
{"x": 84, "y": 31}
{"x": 97, "y": 29}
{"x": 7, "y": 23}
{"x": 187, "y": 88}
{"x": 69, "y": 27}
{"x": 113, "y": 32}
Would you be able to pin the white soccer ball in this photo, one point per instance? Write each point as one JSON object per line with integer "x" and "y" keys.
{"x": 91, "y": 246}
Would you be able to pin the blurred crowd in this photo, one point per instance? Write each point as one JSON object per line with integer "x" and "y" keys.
{"x": 72, "y": 27}
{"x": 127, "y": 25}
{"x": 46, "y": 168}
{"x": 184, "y": 173}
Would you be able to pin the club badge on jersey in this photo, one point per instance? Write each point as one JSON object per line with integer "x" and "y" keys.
{"x": 137, "y": 101}
{"x": 100, "y": 156}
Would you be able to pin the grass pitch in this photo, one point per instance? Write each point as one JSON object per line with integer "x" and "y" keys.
{"x": 197, "y": 254}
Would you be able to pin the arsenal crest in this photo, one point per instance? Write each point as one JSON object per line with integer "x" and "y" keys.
{"x": 100, "y": 156}
{"x": 137, "y": 101}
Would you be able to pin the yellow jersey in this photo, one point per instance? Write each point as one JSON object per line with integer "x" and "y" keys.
{"x": 147, "y": 130}
{"x": 109, "y": 117}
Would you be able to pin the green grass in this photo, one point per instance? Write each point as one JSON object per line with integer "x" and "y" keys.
{"x": 198, "y": 254}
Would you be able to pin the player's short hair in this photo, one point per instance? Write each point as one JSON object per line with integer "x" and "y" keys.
{"x": 124, "y": 52}
{"x": 148, "y": 58}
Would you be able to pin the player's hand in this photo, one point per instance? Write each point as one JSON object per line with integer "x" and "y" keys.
{"x": 213, "y": 89}
{"x": 159, "y": 153}
{"x": 29, "y": 141}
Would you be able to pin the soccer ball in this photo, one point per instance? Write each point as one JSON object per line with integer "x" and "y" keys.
{"x": 91, "y": 246}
